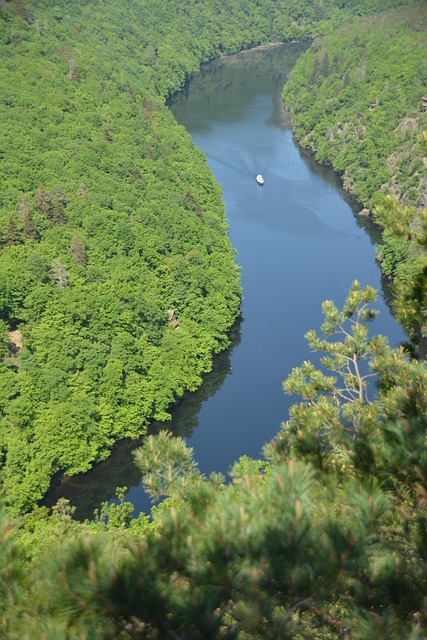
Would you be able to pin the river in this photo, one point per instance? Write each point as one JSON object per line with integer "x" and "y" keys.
{"x": 300, "y": 241}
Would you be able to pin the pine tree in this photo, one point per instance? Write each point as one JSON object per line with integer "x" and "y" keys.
{"x": 59, "y": 274}
{"x": 324, "y": 539}
{"x": 57, "y": 208}
{"x": 77, "y": 250}
{"x": 52, "y": 205}
{"x": 24, "y": 213}
{"x": 12, "y": 235}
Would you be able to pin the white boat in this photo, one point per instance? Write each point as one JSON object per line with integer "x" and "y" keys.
{"x": 260, "y": 180}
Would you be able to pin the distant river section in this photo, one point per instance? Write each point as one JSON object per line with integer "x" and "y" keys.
{"x": 300, "y": 240}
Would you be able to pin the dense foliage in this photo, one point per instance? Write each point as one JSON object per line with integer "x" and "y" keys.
{"x": 403, "y": 258}
{"x": 112, "y": 229}
{"x": 324, "y": 539}
{"x": 356, "y": 98}
{"x": 117, "y": 277}
{"x": 117, "y": 283}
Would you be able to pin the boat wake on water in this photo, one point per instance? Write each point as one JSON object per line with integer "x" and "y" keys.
{"x": 242, "y": 168}
{"x": 224, "y": 163}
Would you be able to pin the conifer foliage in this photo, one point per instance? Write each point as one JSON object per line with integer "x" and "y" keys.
{"x": 325, "y": 538}
{"x": 109, "y": 219}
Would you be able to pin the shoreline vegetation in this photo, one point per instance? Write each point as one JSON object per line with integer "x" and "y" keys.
{"x": 110, "y": 223}
{"x": 356, "y": 99}
{"x": 115, "y": 290}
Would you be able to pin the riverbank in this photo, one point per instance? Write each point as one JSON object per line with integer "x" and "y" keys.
{"x": 234, "y": 113}
{"x": 369, "y": 127}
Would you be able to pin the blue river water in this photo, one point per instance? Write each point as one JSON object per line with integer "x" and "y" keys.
{"x": 300, "y": 240}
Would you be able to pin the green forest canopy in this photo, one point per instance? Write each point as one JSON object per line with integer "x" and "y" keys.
{"x": 112, "y": 227}
{"x": 325, "y": 537}
{"x": 112, "y": 236}
{"x": 357, "y": 101}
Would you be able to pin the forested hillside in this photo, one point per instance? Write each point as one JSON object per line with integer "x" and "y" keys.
{"x": 117, "y": 278}
{"x": 117, "y": 283}
{"x": 323, "y": 539}
{"x": 358, "y": 102}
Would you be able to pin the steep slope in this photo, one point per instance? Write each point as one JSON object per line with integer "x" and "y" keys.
{"x": 358, "y": 102}
{"x": 117, "y": 277}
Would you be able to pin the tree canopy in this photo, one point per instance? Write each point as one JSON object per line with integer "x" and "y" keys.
{"x": 356, "y": 98}
{"x": 118, "y": 283}
{"x": 324, "y": 538}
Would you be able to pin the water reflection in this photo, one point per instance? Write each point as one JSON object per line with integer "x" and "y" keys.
{"x": 88, "y": 490}
{"x": 219, "y": 89}
{"x": 299, "y": 244}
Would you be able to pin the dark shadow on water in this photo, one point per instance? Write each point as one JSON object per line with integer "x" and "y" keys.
{"x": 221, "y": 93}
{"x": 87, "y": 491}
{"x": 366, "y": 223}
{"x": 220, "y": 84}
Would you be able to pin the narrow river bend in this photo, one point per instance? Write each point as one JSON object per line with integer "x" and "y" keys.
{"x": 299, "y": 241}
